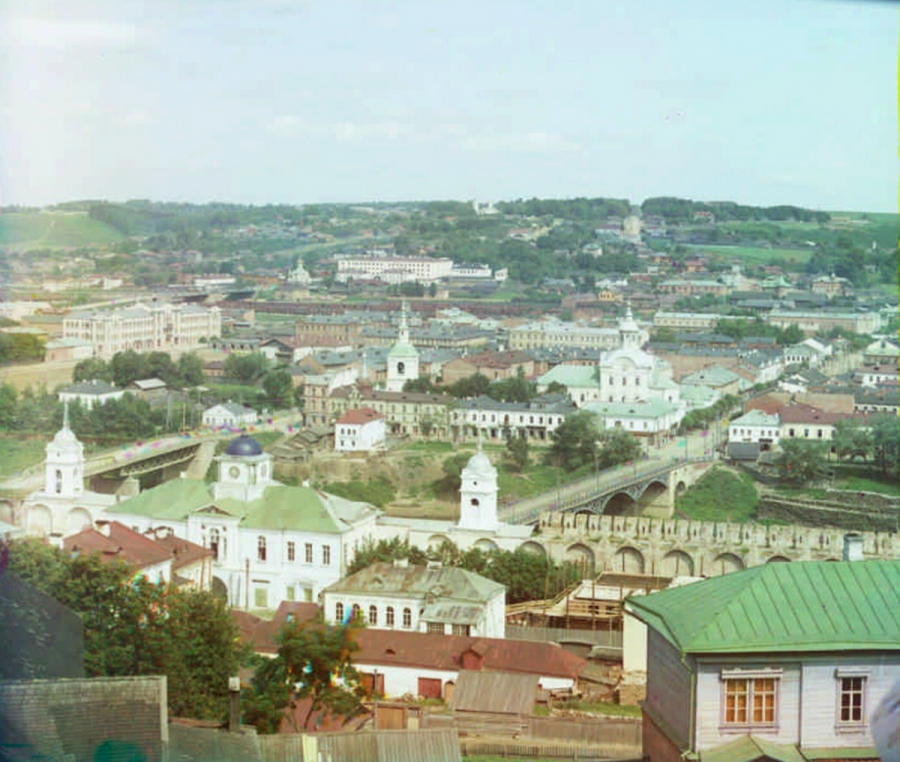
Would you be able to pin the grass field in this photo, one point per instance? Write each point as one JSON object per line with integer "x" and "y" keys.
{"x": 17, "y": 454}
{"x": 48, "y": 230}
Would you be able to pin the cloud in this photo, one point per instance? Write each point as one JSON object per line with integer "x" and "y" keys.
{"x": 522, "y": 142}
{"x": 57, "y": 33}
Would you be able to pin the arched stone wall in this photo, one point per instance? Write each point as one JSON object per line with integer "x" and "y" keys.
{"x": 533, "y": 547}
{"x": 582, "y": 555}
{"x": 726, "y": 562}
{"x": 485, "y": 545}
{"x": 676, "y": 563}
{"x": 628, "y": 560}
{"x": 78, "y": 519}
{"x": 39, "y": 520}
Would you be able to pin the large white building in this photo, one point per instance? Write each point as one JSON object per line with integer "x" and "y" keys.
{"x": 270, "y": 542}
{"x": 144, "y": 328}
{"x": 556, "y": 334}
{"x": 392, "y": 269}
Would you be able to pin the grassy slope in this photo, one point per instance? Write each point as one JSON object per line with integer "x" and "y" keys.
{"x": 721, "y": 495}
{"x": 20, "y": 230}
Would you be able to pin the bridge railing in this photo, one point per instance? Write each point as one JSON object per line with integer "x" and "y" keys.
{"x": 591, "y": 491}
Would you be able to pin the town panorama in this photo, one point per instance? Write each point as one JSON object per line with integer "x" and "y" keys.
{"x": 593, "y": 477}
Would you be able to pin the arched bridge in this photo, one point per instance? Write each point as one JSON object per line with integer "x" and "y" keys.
{"x": 646, "y": 488}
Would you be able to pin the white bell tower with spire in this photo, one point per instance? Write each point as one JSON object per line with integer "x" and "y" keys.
{"x": 478, "y": 493}
{"x": 402, "y": 359}
{"x": 64, "y": 470}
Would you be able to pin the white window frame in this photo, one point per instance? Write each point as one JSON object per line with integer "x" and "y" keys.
{"x": 851, "y": 726}
{"x": 750, "y": 677}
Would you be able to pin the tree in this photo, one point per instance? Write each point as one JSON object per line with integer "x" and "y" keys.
{"x": 190, "y": 369}
{"x": 618, "y": 446}
{"x": 279, "y": 388}
{"x": 126, "y": 367}
{"x": 8, "y": 406}
{"x": 314, "y": 663}
{"x": 299, "y": 399}
{"x": 90, "y": 369}
{"x": 473, "y": 386}
{"x": 886, "y": 443}
{"x": 136, "y": 627}
{"x": 517, "y": 452}
{"x": 515, "y": 389}
{"x": 791, "y": 335}
{"x": 574, "y": 441}
{"x": 802, "y": 461}
{"x": 851, "y": 439}
{"x": 452, "y": 468}
{"x": 247, "y": 368}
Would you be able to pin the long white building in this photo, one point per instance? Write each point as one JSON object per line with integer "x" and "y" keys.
{"x": 144, "y": 328}
{"x": 393, "y": 269}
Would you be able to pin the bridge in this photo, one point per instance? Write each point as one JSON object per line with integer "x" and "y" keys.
{"x": 642, "y": 488}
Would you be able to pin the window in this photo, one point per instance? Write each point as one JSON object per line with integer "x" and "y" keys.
{"x": 389, "y": 616}
{"x": 291, "y": 551}
{"x": 290, "y": 593}
{"x": 852, "y": 700}
{"x": 260, "y": 597}
{"x": 308, "y": 552}
{"x": 355, "y": 612}
{"x": 214, "y": 543}
{"x": 407, "y": 618}
{"x": 462, "y": 629}
{"x": 338, "y": 612}
{"x": 326, "y": 555}
{"x": 260, "y": 548}
{"x": 750, "y": 701}
{"x": 373, "y": 615}
{"x": 435, "y": 627}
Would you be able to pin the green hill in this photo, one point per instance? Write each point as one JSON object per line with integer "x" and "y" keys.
{"x": 50, "y": 230}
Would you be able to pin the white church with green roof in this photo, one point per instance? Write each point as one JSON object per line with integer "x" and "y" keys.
{"x": 628, "y": 388}
{"x": 271, "y": 542}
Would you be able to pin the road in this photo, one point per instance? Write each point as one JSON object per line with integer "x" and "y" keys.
{"x": 679, "y": 448}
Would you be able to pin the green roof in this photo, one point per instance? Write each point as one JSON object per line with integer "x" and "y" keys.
{"x": 280, "y": 507}
{"x": 750, "y": 748}
{"x": 779, "y": 607}
{"x": 403, "y": 350}
{"x": 653, "y": 408}
{"x": 570, "y": 376}
{"x": 417, "y": 581}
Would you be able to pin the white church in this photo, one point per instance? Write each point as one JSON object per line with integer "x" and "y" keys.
{"x": 402, "y": 359}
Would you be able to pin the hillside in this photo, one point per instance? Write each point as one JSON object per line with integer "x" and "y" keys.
{"x": 50, "y": 230}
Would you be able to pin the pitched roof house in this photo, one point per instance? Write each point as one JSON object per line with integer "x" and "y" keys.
{"x": 782, "y": 661}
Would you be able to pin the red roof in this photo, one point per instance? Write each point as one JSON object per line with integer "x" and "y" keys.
{"x": 430, "y": 650}
{"x": 122, "y": 544}
{"x": 797, "y": 412}
{"x": 770, "y": 404}
{"x": 184, "y": 552}
{"x": 360, "y": 416}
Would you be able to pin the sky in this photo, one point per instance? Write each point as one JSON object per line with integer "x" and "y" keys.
{"x": 762, "y": 102}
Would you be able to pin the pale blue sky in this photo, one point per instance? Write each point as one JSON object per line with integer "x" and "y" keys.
{"x": 757, "y": 101}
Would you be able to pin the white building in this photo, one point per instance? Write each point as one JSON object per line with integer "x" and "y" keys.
{"x": 554, "y": 334}
{"x": 436, "y": 599}
{"x": 63, "y": 507}
{"x": 229, "y": 414}
{"x": 392, "y": 269}
{"x": 144, "y": 328}
{"x": 91, "y": 393}
{"x": 359, "y": 430}
{"x": 270, "y": 542}
{"x": 756, "y": 427}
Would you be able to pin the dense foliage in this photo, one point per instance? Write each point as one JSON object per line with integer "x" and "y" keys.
{"x": 136, "y": 627}
{"x": 128, "y": 366}
{"x": 313, "y": 664}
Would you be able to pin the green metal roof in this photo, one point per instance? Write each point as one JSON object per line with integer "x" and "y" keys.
{"x": 570, "y": 376}
{"x": 417, "y": 581}
{"x": 750, "y": 748}
{"x": 403, "y": 350}
{"x": 280, "y": 507}
{"x": 798, "y": 606}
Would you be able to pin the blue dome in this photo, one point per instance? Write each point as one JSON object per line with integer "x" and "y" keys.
{"x": 244, "y": 445}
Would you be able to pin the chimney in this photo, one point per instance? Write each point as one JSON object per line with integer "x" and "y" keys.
{"x": 853, "y": 547}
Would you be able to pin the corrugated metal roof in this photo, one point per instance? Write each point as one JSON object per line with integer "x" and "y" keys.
{"x": 750, "y": 748}
{"x": 501, "y": 692}
{"x": 799, "y": 606}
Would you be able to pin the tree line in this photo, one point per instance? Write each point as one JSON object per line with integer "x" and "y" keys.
{"x": 681, "y": 210}
{"x": 128, "y": 366}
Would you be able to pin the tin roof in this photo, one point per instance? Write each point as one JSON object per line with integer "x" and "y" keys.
{"x": 499, "y": 692}
{"x": 800, "y": 606}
